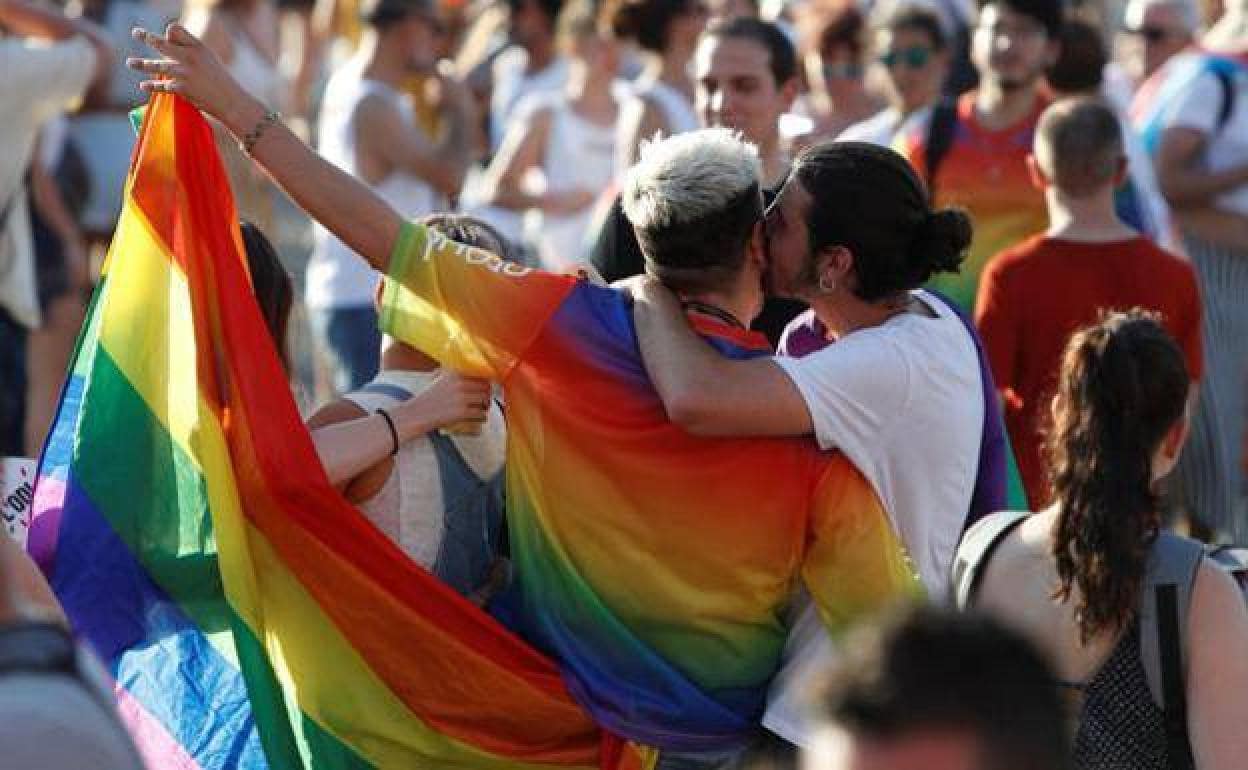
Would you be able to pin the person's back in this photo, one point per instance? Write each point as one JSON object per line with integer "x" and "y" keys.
{"x": 1034, "y": 295}
{"x": 1075, "y": 577}
{"x": 656, "y": 566}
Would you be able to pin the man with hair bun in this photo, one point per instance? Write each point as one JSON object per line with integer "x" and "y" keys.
{"x": 1034, "y": 295}
{"x": 901, "y": 389}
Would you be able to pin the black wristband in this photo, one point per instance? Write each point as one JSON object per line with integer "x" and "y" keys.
{"x": 394, "y": 432}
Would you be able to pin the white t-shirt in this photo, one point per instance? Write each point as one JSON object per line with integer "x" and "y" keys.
{"x": 883, "y": 127}
{"x": 904, "y": 402}
{"x": 1198, "y": 108}
{"x": 41, "y": 80}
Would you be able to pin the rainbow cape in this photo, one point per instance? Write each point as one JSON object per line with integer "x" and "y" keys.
{"x": 249, "y": 615}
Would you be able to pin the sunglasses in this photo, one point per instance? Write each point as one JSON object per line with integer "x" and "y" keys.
{"x": 1150, "y": 34}
{"x": 842, "y": 70}
{"x": 915, "y": 57}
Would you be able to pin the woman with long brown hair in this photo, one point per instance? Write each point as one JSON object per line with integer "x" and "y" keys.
{"x": 1079, "y": 576}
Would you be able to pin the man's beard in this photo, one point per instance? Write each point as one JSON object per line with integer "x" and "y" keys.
{"x": 1016, "y": 84}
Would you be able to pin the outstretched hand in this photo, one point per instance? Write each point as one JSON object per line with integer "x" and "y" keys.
{"x": 189, "y": 68}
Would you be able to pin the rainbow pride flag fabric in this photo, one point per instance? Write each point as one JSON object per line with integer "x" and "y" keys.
{"x": 655, "y": 566}
{"x": 984, "y": 172}
{"x": 249, "y": 615}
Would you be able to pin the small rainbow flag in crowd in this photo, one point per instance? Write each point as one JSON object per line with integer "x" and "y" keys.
{"x": 250, "y": 616}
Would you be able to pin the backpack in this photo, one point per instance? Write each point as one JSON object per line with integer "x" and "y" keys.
{"x": 1227, "y": 85}
{"x": 1165, "y": 598}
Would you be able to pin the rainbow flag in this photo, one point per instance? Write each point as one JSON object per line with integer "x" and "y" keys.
{"x": 250, "y": 616}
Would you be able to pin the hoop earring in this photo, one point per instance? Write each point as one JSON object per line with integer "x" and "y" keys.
{"x": 826, "y": 288}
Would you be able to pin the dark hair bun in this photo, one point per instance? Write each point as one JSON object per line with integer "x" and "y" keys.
{"x": 942, "y": 240}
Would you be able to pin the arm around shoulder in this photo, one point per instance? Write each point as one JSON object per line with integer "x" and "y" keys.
{"x": 704, "y": 392}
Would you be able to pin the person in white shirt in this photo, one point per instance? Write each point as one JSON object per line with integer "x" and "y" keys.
{"x": 911, "y": 46}
{"x": 49, "y": 62}
{"x": 368, "y": 128}
{"x": 569, "y": 137}
{"x": 1202, "y": 165}
{"x": 899, "y": 391}
{"x": 667, "y": 33}
{"x": 1158, "y": 29}
{"x": 531, "y": 66}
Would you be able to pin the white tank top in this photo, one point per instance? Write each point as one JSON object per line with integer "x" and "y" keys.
{"x": 249, "y": 66}
{"x": 579, "y": 155}
{"x": 409, "y": 508}
{"x": 337, "y": 277}
{"x": 678, "y": 111}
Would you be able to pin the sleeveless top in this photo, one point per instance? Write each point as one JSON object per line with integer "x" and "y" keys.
{"x": 678, "y": 111}
{"x": 1119, "y": 724}
{"x": 442, "y": 503}
{"x": 579, "y": 154}
{"x": 336, "y": 276}
{"x": 251, "y": 67}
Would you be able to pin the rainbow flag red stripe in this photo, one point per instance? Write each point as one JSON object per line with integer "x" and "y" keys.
{"x": 251, "y": 616}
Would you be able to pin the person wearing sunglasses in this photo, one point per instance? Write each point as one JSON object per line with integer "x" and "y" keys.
{"x": 834, "y": 52}
{"x": 912, "y": 50}
{"x": 1157, "y": 30}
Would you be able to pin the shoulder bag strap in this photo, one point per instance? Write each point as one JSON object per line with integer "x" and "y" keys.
{"x": 975, "y": 551}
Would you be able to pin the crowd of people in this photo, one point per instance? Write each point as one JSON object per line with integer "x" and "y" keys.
{"x": 996, "y": 251}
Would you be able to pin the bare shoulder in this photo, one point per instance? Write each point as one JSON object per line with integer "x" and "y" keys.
{"x": 1218, "y": 599}
{"x": 335, "y": 412}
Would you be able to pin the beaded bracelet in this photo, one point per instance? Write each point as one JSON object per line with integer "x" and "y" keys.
{"x": 271, "y": 118}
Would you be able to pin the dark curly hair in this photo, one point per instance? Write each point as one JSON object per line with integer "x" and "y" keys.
{"x": 1123, "y": 385}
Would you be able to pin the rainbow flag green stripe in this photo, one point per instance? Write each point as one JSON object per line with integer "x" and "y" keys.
{"x": 251, "y": 616}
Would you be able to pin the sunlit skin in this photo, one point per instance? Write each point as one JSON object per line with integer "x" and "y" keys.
{"x": 1149, "y": 54}
{"x": 788, "y": 247}
{"x": 736, "y": 89}
{"x": 1010, "y": 49}
{"x": 911, "y": 88}
{"x": 931, "y": 749}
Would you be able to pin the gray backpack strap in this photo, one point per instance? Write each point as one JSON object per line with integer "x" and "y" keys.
{"x": 976, "y": 549}
{"x": 1172, "y": 561}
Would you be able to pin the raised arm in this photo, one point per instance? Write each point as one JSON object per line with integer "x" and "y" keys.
{"x": 343, "y": 204}
{"x": 703, "y": 392}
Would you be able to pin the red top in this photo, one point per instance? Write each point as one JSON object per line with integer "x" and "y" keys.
{"x": 1033, "y": 296}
